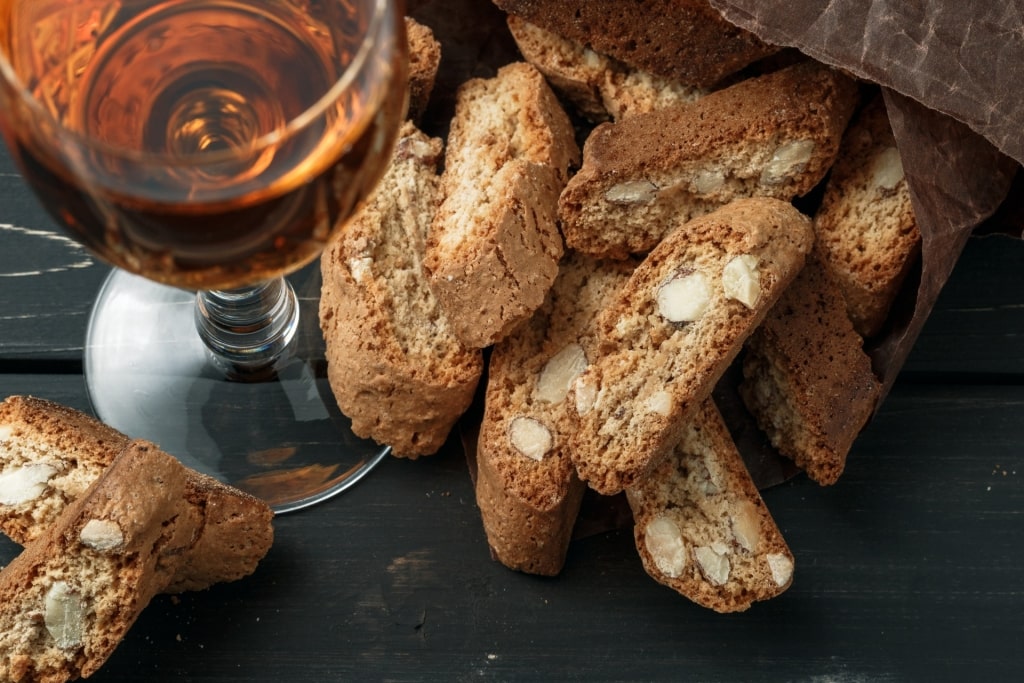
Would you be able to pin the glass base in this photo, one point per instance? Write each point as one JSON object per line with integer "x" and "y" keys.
{"x": 281, "y": 438}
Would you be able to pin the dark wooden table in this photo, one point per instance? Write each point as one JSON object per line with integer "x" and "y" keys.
{"x": 910, "y": 568}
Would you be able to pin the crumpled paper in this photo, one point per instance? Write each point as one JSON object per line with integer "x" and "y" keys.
{"x": 962, "y": 59}
{"x": 950, "y": 73}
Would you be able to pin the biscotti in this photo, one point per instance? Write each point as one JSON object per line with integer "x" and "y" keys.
{"x": 806, "y": 378}
{"x": 394, "y": 364}
{"x": 526, "y": 486}
{"x": 424, "y": 62}
{"x": 494, "y": 244}
{"x": 235, "y": 533}
{"x": 70, "y": 597}
{"x": 867, "y": 235}
{"x": 598, "y": 87}
{"x": 776, "y": 135}
{"x": 50, "y": 455}
{"x": 684, "y": 40}
{"x": 701, "y": 527}
{"x": 674, "y": 328}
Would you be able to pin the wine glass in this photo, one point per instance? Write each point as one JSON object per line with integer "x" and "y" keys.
{"x": 207, "y": 149}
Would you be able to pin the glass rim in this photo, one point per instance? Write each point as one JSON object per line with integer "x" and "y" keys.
{"x": 264, "y": 141}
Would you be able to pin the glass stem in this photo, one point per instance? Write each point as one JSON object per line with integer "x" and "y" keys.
{"x": 248, "y": 329}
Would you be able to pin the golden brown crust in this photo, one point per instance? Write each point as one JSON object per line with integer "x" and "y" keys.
{"x": 657, "y": 363}
{"x": 807, "y": 379}
{"x": 773, "y": 136}
{"x": 494, "y": 245}
{"x": 702, "y": 528}
{"x": 236, "y": 531}
{"x": 529, "y": 499}
{"x": 686, "y": 40}
{"x": 394, "y": 363}
{"x": 498, "y": 279}
{"x": 68, "y": 600}
{"x": 867, "y": 234}
{"x": 523, "y": 537}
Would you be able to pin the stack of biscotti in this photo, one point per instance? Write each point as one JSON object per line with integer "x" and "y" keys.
{"x": 107, "y": 524}
{"x": 71, "y": 596}
{"x": 434, "y": 268}
{"x": 691, "y": 176}
{"x": 526, "y": 485}
{"x": 807, "y": 380}
{"x": 672, "y": 330}
{"x": 60, "y": 452}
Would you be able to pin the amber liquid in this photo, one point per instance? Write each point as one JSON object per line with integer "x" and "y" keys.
{"x": 190, "y": 177}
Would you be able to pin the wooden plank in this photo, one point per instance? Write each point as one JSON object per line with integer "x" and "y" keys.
{"x": 47, "y": 281}
{"x": 907, "y": 569}
{"x": 977, "y": 327}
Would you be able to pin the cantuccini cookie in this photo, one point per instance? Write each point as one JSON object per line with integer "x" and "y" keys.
{"x": 674, "y": 328}
{"x": 51, "y": 454}
{"x": 70, "y": 597}
{"x": 867, "y": 235}
{"x": 424, "y": 62}
{"x": 702, "y": 528}
{"x": 394, "y": 364}
{"x": 776, "y": 135}
{"x": 526, "y": 487}
{"x": 494, "y": 244}
{"x": 684, "y": 40}
{"x": 598, "y": 87}
{"x": 806, "y": 378}
{"x": 236, "y": 532}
